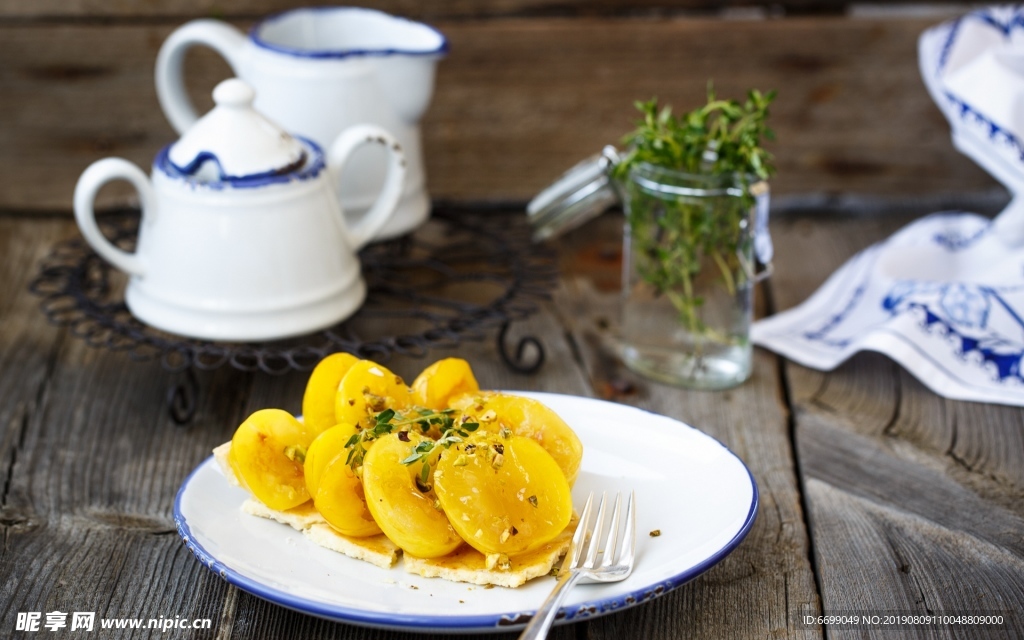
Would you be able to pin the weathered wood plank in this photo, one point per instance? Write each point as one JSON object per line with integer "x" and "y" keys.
{"x": 114, "y": 572}
{"x": 419, "y": 9}
{"x": 96, "y": 476}
{"x": 90, "y": 472}
{"x": 930, "y": 575}
{"x": 28, "y": 346}
{"x": 759, "y": 589}
{"x": 520, "y": 100}
{"x": 912, "y": 497}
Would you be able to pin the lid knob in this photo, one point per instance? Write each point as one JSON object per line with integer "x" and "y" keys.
{"x": 233, "y": 93}
{"x": 234, "y": 141}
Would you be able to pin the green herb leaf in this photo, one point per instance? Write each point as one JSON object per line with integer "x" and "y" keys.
{"x": 675, "y": 238}
{"x": 412, "y": 458}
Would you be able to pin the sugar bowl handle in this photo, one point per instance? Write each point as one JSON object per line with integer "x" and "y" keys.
{"x": 382, "y": 210}
{"x": 98, "y": 174}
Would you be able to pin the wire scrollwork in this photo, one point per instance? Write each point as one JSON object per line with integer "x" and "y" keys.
{"x": 458, "y": 278}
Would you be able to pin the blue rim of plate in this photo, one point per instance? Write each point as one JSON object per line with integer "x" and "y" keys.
{"x": 509, "y": 621}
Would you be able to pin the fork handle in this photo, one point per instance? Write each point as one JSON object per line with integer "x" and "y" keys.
{"x": 545, "y": 616}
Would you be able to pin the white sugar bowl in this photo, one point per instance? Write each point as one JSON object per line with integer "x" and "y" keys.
{"x": 242, "y": 237}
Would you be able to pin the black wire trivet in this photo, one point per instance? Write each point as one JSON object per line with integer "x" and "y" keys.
{"x": 456, "y": 279}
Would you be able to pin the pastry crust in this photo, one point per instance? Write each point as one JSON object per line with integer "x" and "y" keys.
{"x": 220, "y": 454}
{"x": 467, "y": 564}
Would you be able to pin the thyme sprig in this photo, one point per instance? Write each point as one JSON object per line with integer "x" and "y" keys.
{"x": 721, "y": 138}
{"x": 451, "y": 433}
{"x": 674, "y": 237}
{"x": 388, "y": 420}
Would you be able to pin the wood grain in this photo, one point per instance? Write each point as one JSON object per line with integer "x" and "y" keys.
{"x": 418, "y": 9}
{"x": 28, "y": 349}
{"x": 913, "y": 500}
{"x": 767, "y": 581}
{"x": 518, "y": 101}
{"x": 90, "y": 475}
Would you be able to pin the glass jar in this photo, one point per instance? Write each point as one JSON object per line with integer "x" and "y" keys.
{"x": 688, "y": 265}
{"x": 688, "y": 276}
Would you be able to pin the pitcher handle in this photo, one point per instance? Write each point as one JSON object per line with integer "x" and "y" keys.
{"x": 98, "y": 174}
{"x": 382, "y": 210}
{"x": 170, "y": 83}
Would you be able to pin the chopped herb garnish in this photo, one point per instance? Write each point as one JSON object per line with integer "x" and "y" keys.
{"x": 295, "y": 453}
{"x": 384, "y": 423}
{"x": 450, "y": 434}
{"x": 375, "y": 402}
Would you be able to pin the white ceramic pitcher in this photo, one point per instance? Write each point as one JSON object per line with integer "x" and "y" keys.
{"x": 318, "y": 71}
{"x": 242, "y": 237}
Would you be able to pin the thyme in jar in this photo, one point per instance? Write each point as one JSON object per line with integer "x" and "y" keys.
{"x": 674, "y": 236}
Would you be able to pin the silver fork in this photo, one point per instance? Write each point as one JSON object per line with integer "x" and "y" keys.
{"x": 616, "y": 562}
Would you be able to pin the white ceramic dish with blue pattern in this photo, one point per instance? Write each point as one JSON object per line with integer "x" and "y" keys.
{"x": 699, "y": 495}
{"x": 242, "y": 237}
{"x": 318, "y": 71}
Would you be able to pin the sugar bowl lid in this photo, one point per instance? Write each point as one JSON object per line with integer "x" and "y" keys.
{"x": 234, "y": 141}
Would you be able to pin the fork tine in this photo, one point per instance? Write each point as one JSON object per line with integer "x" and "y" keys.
{"x": 628, "y": 548}
{"x": 608, "y": 555}
{"x": 579, "y": 537}
{"x": 609, "y": 571}
{"x": 595, "y": 537}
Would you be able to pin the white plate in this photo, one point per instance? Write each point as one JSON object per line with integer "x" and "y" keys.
{"x": 688, "y": 485}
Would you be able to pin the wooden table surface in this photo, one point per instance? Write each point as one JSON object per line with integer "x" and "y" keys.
{"x": 876, "y": 494}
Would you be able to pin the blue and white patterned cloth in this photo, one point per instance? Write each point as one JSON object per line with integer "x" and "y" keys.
{"x": 963, "y": 337}
{"x": 944, "y": 296}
